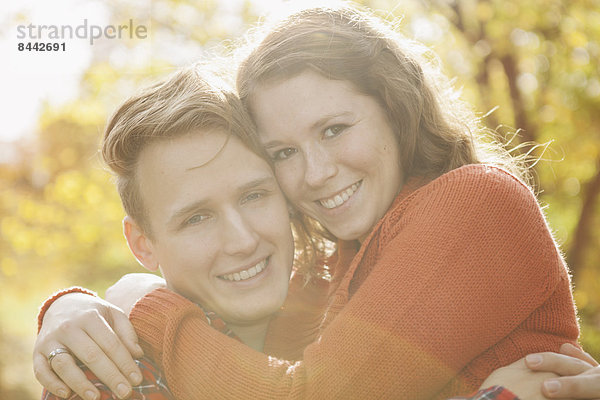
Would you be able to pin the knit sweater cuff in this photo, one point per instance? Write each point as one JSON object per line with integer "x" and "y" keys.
{"x": 50, "y": 300}
{"x": 154, "y": 314}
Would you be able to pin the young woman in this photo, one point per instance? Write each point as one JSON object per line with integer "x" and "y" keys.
{"x": 444, "y": 269}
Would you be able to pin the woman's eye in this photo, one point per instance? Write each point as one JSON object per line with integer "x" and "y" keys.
{"x": 283, "y": 154}
{"x": 333, "y": 131}
{"x": 196, "y": 219}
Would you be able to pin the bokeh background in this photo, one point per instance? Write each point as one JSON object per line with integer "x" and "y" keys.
{"x": 530, "y": 66}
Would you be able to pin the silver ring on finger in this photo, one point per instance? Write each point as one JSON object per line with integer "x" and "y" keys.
{"x": 56, "y": 352}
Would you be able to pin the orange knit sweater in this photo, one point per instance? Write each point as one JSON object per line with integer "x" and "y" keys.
{"x": 460, "y": 277}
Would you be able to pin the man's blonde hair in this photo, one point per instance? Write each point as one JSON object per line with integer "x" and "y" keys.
{"x": 189, "y": 100}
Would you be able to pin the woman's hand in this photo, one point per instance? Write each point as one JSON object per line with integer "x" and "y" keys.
{"x": 520, "y": 380}
{"x": 132, "y": 287}
{"x": 98, "y": 334}
{"x": 579, "y": 373}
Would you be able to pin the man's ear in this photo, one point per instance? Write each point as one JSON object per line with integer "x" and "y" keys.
{"x": 139, "y": 244}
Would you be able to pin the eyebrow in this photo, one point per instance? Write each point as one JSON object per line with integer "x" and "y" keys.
{"x": 267, "y": 179}
{"x": 316, "y": 125}
{"x": 326, "y": 118}
{"x": 202, "y": 202}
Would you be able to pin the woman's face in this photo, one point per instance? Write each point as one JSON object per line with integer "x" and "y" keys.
{"x": 336, "y": 155}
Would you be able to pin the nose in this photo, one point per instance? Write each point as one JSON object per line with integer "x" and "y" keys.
{"x": 320, "y": 166}
{"x": 239, "y": 235}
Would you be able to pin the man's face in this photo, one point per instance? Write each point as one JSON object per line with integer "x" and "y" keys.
{"x": 220, "y": 225}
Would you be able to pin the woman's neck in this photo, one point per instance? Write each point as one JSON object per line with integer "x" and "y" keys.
{"x": 252, "y": 335}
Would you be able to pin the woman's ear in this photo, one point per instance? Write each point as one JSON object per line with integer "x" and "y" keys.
{"x": 139, "y": 244}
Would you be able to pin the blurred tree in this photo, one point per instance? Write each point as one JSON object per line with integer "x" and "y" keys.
{"x": 537, "y": 62}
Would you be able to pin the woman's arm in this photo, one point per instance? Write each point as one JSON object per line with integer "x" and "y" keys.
{"x": 131, "y": 287}
{"x": 472, "y": 260}
{"x": 518, "y": 381}
{"x": 95, "y": 332}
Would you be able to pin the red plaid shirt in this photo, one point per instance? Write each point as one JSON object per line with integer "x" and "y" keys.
{"x": 492, "y": 393}
{"x": 153, "y": 386}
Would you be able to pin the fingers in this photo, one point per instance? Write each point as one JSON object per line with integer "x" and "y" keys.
{"x": 558, "y": 363}
{"x": 90, "y": 347}
{"x": 125, "y": 331}
{"x": 585, "y": 386}
{"x": 64, "y": 366}
{"x": 44, "y": 374}
{"x": 574, "y": 351}
{"x": 114, "y": 348}
{"x": 81, "y": 324}
{"x": 579, "y": 380}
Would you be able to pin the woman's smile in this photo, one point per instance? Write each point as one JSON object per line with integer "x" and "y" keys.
{"x": 335, "y": 153}
{"x": 340, "y": 198}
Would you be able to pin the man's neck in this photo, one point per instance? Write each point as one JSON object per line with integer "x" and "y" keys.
{"x": 252, "y": 335}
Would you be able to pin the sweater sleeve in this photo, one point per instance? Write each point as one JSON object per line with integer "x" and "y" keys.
{"x": 470, "y": 260}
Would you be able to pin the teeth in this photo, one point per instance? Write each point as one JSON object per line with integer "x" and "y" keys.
{"x": 247, "y": 273}
{"x": 340, "y": 198}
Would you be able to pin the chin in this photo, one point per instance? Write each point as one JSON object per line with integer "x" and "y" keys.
{"x": 251, "y": 318}
{"x": 259, "y": 311}
{"x": 350, "y": 233}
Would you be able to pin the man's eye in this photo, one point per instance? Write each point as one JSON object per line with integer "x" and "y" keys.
{"x": 284, "y": 153}
{"x": 196, "y": 219}
{"x": 253, "y": 196}
{"x": 333, "y": 131}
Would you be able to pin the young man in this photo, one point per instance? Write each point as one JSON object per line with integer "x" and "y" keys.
{"x": 202, "y": 206}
